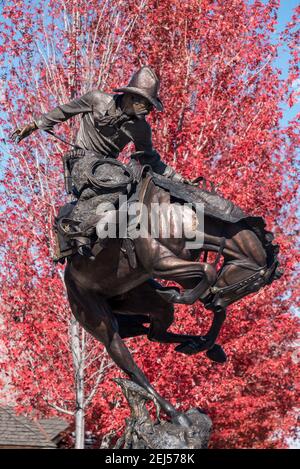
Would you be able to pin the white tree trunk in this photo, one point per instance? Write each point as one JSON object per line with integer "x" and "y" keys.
{"x": 79, "y": 429}
{"x": 78, "y": 351}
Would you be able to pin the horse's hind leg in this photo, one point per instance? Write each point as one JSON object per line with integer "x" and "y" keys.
{"x": 131, "y": 325}
{"x": 145, "y": 299}
{"x": 95, "y": 315}
{"x": 140, "y": 305}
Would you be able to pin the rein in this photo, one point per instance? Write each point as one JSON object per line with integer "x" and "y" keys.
{"x": 61, "y": 139}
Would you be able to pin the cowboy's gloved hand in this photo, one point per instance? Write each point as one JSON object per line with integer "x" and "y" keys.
{"x": 171, "y": 173}
{"x": 19, "y": 134}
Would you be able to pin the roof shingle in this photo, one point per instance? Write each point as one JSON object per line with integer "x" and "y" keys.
{"x": 17, "y": 430}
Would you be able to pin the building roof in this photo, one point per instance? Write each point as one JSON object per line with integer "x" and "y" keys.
{"x": 53, "y": 426}
{"x": 17, "y": 430}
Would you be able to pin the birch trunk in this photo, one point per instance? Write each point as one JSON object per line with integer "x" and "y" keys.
{"x": 78, "y": 351}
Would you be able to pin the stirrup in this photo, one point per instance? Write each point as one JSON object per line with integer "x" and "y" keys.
{"x": 84, "y": 247}
{"x": 65, "y": 225}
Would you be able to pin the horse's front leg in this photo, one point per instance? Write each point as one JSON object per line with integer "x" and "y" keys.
{"x": 203, "y": 275}
{"x": 208, "y": 341}
{"x": 179, "y": 270}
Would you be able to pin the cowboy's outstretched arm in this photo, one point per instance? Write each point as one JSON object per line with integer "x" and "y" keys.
{"x": 59, "y": 114}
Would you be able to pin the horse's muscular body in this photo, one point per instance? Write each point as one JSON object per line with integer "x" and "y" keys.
{"x": 113, "y": 301}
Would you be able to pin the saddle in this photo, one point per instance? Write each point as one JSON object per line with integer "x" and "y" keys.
{"x": 66, "y": 229}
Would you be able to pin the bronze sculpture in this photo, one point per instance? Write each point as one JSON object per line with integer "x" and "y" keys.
{"x": 112, "y": 291}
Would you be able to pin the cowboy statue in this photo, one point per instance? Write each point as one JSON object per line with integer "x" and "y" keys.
{"x": 108, "y": 123}
{"x": 113, "y": 287}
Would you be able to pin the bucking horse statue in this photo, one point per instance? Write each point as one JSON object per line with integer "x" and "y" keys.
{"x": 113, "y": 287}
{"x": 117, "y": 294}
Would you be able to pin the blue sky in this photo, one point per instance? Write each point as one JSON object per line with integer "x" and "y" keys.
{"x": 284, "y": 16}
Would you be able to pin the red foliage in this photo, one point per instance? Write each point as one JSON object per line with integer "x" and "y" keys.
{"x": 222, "y": 100}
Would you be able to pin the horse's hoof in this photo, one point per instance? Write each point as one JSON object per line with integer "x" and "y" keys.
{"x": 191, "y": 347}
{"x": 182, "y": 420}
{"x": 217, "y": 354}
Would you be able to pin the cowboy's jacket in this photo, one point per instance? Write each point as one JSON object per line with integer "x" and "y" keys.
{"x": 103, "y": 128}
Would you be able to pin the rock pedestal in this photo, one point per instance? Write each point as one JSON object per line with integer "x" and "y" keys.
{"x": 142, "y": 432}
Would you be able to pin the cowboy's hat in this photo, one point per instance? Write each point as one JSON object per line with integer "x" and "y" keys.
{"x": 145, "y": 83}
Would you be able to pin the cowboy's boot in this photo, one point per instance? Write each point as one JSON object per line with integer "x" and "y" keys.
{"x": 70, "y": 230}
{"x": 82, "y": 240}
{"x": 84, "y": 245}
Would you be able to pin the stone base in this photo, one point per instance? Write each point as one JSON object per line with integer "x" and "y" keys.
{"x": 142, "y": 432}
